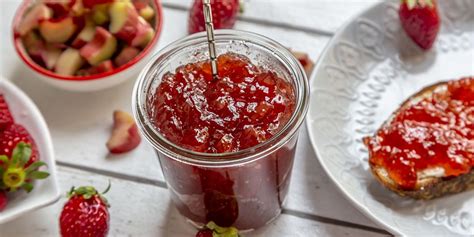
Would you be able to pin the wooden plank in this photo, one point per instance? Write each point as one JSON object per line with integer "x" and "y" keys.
{"x": 80, "y": 125}
{"x": 324, "y": 16}
{"x": 144, "y": 210}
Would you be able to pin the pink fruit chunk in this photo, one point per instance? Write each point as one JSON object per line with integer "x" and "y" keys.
{"x": 91, "y": 3}
{"x": 105, "y": 66}
{"x": 144, "y": 34}
{"x": 126, "y": 55}
{"x": 85, "y": 36}
{"x": 50, "y": 56}
{"x": 69, "y": 62}
{"x": 125, "y": 136}
{"x": 33, "y": 17}
{"x": 100, "y": 48}
{"x": 60, "y": 8}
{"x": 127, "y": 25}
{"x": 34, "y": 45}
{"x": 144, "y": 9}
{"x": 58, "y": 30}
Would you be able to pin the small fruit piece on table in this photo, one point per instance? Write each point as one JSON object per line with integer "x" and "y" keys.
{"x": 32, "y": 18}
{"x": 69, "y": 62}
{"x": 224, "y": 15}
{"x": 305, "y": 61}
{"x": 85, "y": 213}
{"x": 125, "y": 136}
{"x": 6, "y": 118}
{"x": 18, "y": 171}
{"x": 213, "y": 230}
{"x": 100, "y": 48}
{"x": 127, "y": 25}
{"x": 421, "y": 21}
{"x": 126, "y": 55}
{"x": 59, "y": 30}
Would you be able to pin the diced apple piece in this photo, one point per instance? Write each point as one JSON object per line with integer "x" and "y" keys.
{"x": 125, "y": 136}
{"x": 100, "y": 48}
{"x": 105, "y": 66}
{"x": 126, "y": 55}
{"x": 144, "y": 9}
{"x": 85, "y": 36}
{"x": 33, "y": 17}
{"x": 100, "y": 14}
{"x": 50, "y": 56}
{"x": 147, "y": 13}
{"x": 144, "y": 34}
{"x": 69, "y": 62}
{"x": 58, "y": 30}
{"x": 127, "y": 25}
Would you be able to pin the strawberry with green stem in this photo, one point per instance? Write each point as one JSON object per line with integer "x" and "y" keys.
{"x": 17, "y": 172}
{"x": 420, "y": 20}
{"x": 85, "y": 213}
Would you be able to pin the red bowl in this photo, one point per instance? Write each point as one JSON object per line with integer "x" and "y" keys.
{"x": 80, "y": 83}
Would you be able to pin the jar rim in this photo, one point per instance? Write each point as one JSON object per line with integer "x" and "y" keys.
{"x": 163, "y": 145}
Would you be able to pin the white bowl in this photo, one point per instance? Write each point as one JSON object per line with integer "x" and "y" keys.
{"x": 93, "y": 82}
{"x": 46, "y": 191}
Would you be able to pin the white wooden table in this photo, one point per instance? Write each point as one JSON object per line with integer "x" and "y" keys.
{"x": 80, "y": 125}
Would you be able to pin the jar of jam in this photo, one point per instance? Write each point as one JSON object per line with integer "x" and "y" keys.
{"x": 226, "y": 145}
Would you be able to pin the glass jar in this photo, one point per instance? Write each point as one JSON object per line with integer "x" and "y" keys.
{"x": 246, "y": 188}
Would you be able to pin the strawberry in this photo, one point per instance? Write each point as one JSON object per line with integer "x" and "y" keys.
{"x": 5, "y": 116}
{"x": 213, "y": 230}
{"x": 85, "y": 213}
{"x": 13, "y": 135}
{"x": 421, "y": 21}
{"x": 224, "y": 14}
{"x": 15, "y": 172}
{"x": 4, "y": 200}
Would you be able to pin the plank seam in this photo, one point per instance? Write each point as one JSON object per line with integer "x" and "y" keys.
{"x": 264, "y": 22}
{"x": 162, "y": 184}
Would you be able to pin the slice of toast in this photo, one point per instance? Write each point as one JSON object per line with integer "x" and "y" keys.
{"x": 432, "y": 182}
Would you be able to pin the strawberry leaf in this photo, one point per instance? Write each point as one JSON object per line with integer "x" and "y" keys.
{"x": 38, "y": 175}
{"x": 34, "y": 166}
{"x": 27, "y": 187}
{"x": 21, "y": 154}
{"x": 4, "y": 159}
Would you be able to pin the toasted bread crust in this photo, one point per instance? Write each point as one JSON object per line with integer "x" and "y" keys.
{"x": 427, "y": 188}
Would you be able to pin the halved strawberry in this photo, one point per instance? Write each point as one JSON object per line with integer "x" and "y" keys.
{"x": 18, "y": 171}
{"x": 421, "y": 21}
{"x": 11, "y": 137}
{"x": 6, "y": 118}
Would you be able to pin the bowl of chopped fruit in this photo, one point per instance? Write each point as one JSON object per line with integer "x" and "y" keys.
{"x": 86, "y": 45}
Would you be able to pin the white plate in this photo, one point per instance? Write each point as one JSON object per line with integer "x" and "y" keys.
{"x": 365, "y": 73}
{"x": 46, "y": 191}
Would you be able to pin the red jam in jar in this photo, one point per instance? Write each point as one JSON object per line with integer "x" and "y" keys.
{"x": 434, "y": 132}
{"x": 244, "y": 107}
